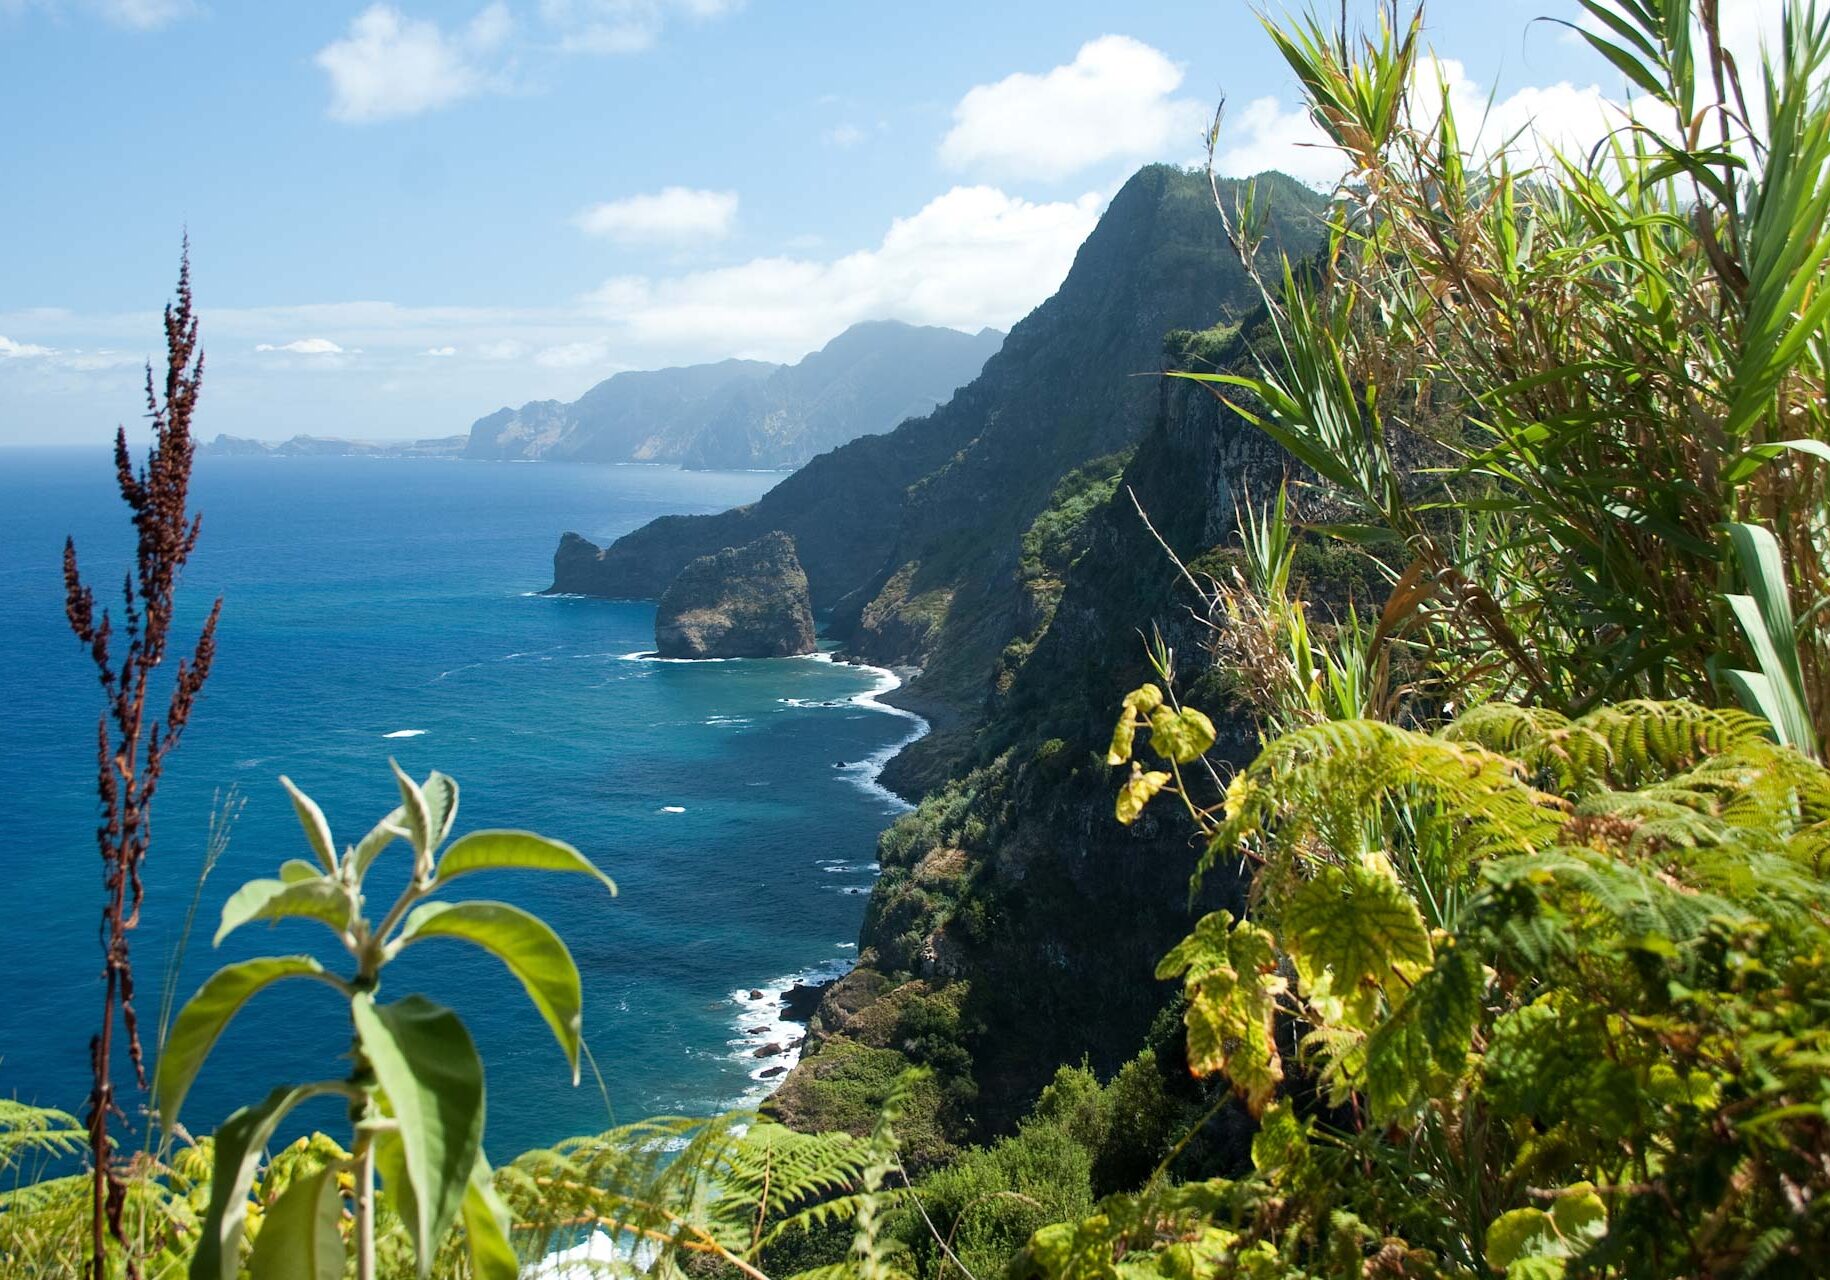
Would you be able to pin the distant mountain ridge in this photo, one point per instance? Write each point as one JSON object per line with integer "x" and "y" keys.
{"x": 747, "y": 413}
{"x": 302, "y": 446}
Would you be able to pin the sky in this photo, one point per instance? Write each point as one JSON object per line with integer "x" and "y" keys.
{"x": 404, "y": 216}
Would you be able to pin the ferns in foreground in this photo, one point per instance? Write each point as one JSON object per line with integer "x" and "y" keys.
{"x": 1560, "y": 988}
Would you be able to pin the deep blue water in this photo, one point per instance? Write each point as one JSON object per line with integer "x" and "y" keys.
{"x": 365, "y": 598}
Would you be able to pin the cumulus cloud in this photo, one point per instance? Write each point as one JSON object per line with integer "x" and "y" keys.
{"x": 972, "y": 257}
{"x": 843, "y": 136}
{"x": 10, "y": 350}
{"x": 1114, "y": 101}
{"x": 390, "y": 65}
{"x": 441, "y": 351}
{"x": 673, "y": 215}
{"x": 304, "y": 347}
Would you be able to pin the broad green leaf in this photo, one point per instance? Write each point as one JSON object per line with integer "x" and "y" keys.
{"x": 1353, "y": 930}
{"x": 512, "y": 850}
{"x": 441, "y": 793}
{"x": 311, "y": 818}
{"x": 486, "y": 1227}
{"x": 300, "y": 1237}
{"x": 1183, "y": 736}
{"x": 201, "y": 1021}
{"x": 1580, "y": 1216}
{"x": 388, "y": 830}
{"x": 239, "y": 1143}
{"x": 1139, "y": 703}
{"x": 297, "y": 871}
{"x": 418, "y": 817}
{"x": 1137, "y": 791}
{"x": 1516, "y": 1234}
{"x": 428, "y": 1068}
{"x": 318, "y": 899}
{"x": 1232, "y": 987}
{"x": 523, "y": 942}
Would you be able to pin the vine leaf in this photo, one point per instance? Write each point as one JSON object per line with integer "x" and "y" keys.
{"x": 1354, "y": 934}
{"x": 1183, "y": 736}
{"x": 1230, "y": 975}
{"x": 1139, "y": 703}
{"x": 1136, "y": 793}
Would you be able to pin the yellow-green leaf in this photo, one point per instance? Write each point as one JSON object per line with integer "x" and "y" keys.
{"x": 300, "y": 1237}
{"x": 514, "y": 850}
{"x": 1136, "y": 793}
{"x": 206, "y": 1014}
{"x": 1182, "y": 736}
{"x": 317, "y": 829}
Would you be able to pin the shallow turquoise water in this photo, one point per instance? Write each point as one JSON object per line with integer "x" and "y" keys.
{"x": 365, "y": 599}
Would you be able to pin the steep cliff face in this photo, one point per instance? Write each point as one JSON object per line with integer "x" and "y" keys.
{"x": 1012, "y": 890}
{"x": 892, "y": 527}
{"x": 740, "y": 602}
{"x": 747, "y": 413}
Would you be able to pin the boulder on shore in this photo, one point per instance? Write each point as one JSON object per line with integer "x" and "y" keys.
{"x": 742, "y": 602}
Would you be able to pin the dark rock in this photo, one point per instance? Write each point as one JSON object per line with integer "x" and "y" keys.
{"x": 742, "y": 602}
{"x": 770, "y": 1050}
{"x": 801, "y": 1000}
{"x": 755, "y": 995}
{"x": 769, "y": 1073}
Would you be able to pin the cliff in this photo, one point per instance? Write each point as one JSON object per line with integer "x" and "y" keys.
{"x": 740, "y": 602}
{"x": 746, "y": 413}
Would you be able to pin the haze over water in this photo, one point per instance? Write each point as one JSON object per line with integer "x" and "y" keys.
{"x": 377, "y": 608}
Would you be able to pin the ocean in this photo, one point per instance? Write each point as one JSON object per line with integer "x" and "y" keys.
{"x": 390, "y": 608}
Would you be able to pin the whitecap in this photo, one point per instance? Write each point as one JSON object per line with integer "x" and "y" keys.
{"x": 405, "y": 733}
{"x": 673, "y": 808}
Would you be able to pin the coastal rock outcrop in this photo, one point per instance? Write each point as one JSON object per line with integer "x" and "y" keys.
{"x": 741, "y": 602}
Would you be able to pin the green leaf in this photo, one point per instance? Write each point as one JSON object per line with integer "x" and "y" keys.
{"x": 413, "y": 807}
{"x": 428, "y": 1068}
{"x": 1580, "y": 1218}
{"x": 1353, "y": 930}
{"x": 1139, "y": 703}
{"x": 300, "y": 1237}
{"x": 388, "y": 830}
{"x": 511, "y": 850}
{"x": 523, "y": 942}
{"x": 311, "y": 818}
{"x": 441, "y": 793}
{"x": 318, "y": 899}
{"x": 1232, "y": 987}
{"x": 201, "y": 1021}
{"x": 297, "y": 871}
{"x": 239, "y": 1142}
{"x": 1137, "y": 791}
{"x": 1518, "y": 1233}
{"x": 486, "y": 1227}
{"x": 1183, "y": 736}
{"x": 1745, "y": 464}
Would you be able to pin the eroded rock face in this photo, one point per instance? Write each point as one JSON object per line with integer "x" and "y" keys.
{"x": 741, "y": 602}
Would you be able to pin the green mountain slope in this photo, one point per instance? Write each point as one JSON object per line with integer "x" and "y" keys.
{"x": 746, "y": 413}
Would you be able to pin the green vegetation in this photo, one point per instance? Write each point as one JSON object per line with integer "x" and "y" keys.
{"x": 1507, "y": 947}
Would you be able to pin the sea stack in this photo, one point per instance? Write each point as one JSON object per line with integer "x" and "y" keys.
{"x": 742, "y": 602}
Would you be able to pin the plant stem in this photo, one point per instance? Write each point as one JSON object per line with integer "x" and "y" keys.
{"x": 365, "y": 1209}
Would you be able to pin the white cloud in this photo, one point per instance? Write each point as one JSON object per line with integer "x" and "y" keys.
{"x": 391, "y": 65}
{"x": 622, "y": 26}
{"x": 304, "y": 347}
{"x": 1113, "y": 102}
{"x": 573, "y": 355}
{"x": 502, "y": 349}
{"x": 145, "y": 15}
{"x": 969, "y": 258}
{"x": 843, "y": 136}
{"x": 441, "y": 351}
{"x": 10, "y": 350}
{"x": 674, "y": 215}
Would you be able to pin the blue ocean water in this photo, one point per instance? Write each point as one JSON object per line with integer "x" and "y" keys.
{"x": 386, "y": 608}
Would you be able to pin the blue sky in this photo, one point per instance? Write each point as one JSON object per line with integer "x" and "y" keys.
{"x": 403, "y": 216}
